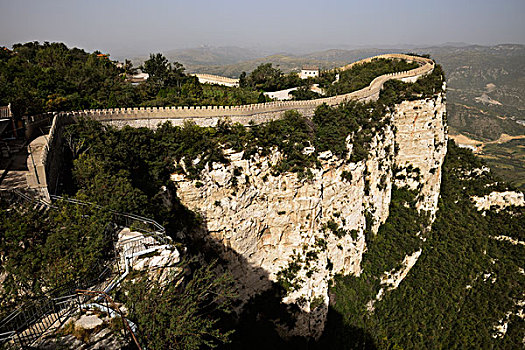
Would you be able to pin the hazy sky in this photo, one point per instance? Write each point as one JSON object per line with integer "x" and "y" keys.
{"x": 122, "y": 26}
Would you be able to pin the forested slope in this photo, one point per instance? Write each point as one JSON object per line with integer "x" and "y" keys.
{"x": 464, "y": 285}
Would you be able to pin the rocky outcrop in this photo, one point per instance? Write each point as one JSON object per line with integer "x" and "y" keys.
{"x": 422, "y": 144}
{"x": 86, "y": 332}
{"x": 500, "y": 200}
{"x": 141, "y": 252}
{"x": 267, "y": 223}
{"x": 392, "y": 279}
{"x": 302, "y": 231}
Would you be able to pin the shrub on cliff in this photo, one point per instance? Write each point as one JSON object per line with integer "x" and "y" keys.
{"x": 395, "y": 91}
{"x": 464, "y": 283}
{"x": 43, "y": 250}
{"x": 182, "y": 312}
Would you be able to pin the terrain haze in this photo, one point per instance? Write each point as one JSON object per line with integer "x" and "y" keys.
{"x": 132, "y": 28}
{"x": 479, "y": 43}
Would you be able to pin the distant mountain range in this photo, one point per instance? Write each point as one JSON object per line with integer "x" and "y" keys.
{"x": 232, "y": 61}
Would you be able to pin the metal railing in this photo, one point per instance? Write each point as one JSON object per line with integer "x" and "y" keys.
{"x": 110, "y": 306}
{"x": 122, "y": 219}
{"x": 30, "y": 321}
{"x": 19, "y": 197}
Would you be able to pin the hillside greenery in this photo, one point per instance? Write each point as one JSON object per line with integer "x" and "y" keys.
{"x": 181, "y": 311}
{"x": 38, "y": 78}
{"x": 218, "y": 65}
{"x": 50, "y": 253}
{"x": 485, "y": 99}
{"x": 267, "y": 78}
{"x": 462, "y": 286}
{"x": 361, "y": 75}
{"x": 42, "y": 251}
{"x": 156, "y": 154}
{"x": 507, "y": 160}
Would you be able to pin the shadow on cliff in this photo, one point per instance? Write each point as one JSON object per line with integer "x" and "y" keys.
{"x": 256, "y": 325}
{"x": 339, "y": 335}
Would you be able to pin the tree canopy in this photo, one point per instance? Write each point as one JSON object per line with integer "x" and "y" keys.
{"x": 47, "y": 77}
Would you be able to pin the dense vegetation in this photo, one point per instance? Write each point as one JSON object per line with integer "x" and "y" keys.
{"x": 464, "y": 283}
{"x": 42, "y": 251}
{"x": 172, "y": 148}
{"x": 168, "y": 85}
{"x": 50, "y": 253}
{"x": 361, "y": 75}
{"x": 180, "y": 312}
{"x": 395, "y": 91}
{"x": 267, "y": 78}
{"x": 45, "y": 77}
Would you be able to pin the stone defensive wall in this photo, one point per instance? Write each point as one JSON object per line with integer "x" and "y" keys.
{"x": 46, "y": 152}
{"x": 253, "y": 113}
{"x": 45, "y": 159}
{"x": 216, "y": 79}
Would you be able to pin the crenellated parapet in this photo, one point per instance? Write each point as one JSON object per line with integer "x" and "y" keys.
{"x": 45, "y": 160}
{"x": 252, "y": 113}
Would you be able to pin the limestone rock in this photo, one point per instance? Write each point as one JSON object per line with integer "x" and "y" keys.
{"x": 422, "y": 143}
{"x": 88, "y": 322}
{"x": 265, "y": 222}
{"x": 104, "y": 339}
{"x": 145, "y": 253}
{"x": 499, "y": 199}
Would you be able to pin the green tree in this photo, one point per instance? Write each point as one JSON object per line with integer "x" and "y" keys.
{"x": 242, "y": 80}
{"x": 158, "y": 68}
{"x": 128, "y": 68}
{"x": 181, "y": 313}
{"x": 43, "y": 250}
{"x": 304, "y": 93}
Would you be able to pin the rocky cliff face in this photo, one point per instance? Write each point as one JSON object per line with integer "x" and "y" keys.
{"x": 301, "y": 232}
{"x": 499, "y": 200}
{"x": 421, "y": 139}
